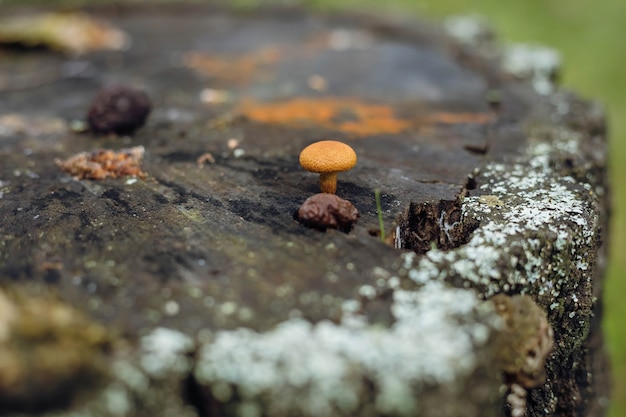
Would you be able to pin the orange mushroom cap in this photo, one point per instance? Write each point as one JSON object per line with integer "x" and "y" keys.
{"x": 327, "y": 156}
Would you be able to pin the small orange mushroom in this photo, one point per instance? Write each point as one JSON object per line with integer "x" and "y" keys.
{"x": 327, "y": 158}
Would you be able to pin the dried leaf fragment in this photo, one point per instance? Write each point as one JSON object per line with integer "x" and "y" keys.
{"x": 104, "y": 163}
{"x": 206, "y": 157}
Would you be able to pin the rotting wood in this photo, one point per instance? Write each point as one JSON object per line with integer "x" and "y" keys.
{"x": 340, "y": 324}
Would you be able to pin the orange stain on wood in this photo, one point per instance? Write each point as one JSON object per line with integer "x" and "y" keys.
{"x": 232, "y": 67}
{"x": 348, "y": 115}
{"x": 459, "y": 118}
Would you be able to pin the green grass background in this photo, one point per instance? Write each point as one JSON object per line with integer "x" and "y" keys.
{"x": 591, "y": 35}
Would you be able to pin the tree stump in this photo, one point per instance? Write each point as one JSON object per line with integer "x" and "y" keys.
{"x": 192, "y": 289}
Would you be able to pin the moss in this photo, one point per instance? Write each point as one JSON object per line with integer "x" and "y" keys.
{"x": 49, "y": 352}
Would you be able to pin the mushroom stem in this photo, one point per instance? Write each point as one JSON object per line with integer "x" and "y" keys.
{"x": 328, "y": 182}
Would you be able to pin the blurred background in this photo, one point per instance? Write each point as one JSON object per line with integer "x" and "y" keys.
{"x": 591, "y": 36}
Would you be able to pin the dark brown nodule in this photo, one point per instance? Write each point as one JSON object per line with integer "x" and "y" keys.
{"x": 118, "y": 109}
{"x": 322, "y": 211}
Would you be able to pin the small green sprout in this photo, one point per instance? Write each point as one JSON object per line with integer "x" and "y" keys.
{"x": 379, "y": 211}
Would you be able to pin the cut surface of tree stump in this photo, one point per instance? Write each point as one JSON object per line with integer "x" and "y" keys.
{"x": 191, "y": 288}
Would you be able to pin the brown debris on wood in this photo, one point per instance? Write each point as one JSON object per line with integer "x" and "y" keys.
{"x": 323, "y": 211}
{"x": 206, "y": 157}
{"x": 104, "y": 163}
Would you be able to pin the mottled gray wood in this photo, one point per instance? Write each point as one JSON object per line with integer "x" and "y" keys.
{"x": 479, "y": 200}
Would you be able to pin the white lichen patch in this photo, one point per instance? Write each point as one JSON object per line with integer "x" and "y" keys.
{"x": 469, "y": 29}
{"x": 538, "y": 237}
{"x": 323, "y": 369}
{"x": 164, "y": 352}
{"x": 537, "y": 63}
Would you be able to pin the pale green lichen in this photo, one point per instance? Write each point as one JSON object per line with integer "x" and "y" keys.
{"x": 164, "y": 351}
{"x": 323, "y": 369}
{"x": 542, "y": 211}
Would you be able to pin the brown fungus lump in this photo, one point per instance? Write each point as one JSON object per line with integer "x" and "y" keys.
{"x": 323, "y": 211}
{"x": 118, "y": 109}
{"x": 327, "y": 158}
